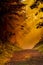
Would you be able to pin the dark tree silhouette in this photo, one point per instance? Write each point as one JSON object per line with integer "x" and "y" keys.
{"x": 40, "y": 25}
{"x": 7, "y": 8}
{"x": 35, "y": 4}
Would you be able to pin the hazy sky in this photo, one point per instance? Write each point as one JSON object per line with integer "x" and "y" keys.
{"x": 33, "y": 35}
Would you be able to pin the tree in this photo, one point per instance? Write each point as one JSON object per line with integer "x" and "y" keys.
{"x": 7, "y": 8}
